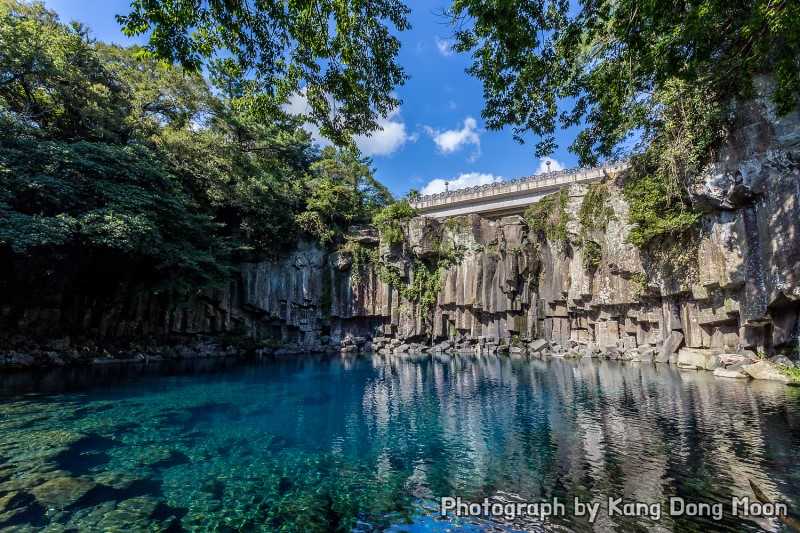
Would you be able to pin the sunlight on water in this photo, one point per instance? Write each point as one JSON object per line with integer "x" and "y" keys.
{"x": 371, "y": 443}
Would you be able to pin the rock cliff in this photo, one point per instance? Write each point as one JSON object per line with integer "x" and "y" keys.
{"x": 736, "y": 285}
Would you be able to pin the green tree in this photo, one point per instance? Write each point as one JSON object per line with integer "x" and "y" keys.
{"x": 246, "y": 174}
{"x": 157, "y": 95}
{"x": 64, "y": 200}
{"x": 108, "y": 154}
{"x": 606, "y": 65}
{"x": 343, "y": 191}
{"x": 51, "y": 77}
{"x": 341, "y": 52}
{"x": 642, "y": 77}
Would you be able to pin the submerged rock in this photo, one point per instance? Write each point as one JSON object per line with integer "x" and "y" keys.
{"x": 62, "y": 492}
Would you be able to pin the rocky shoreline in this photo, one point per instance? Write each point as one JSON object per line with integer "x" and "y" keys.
{"x": 722, "y": 361}
{"x": 63, "y": 352}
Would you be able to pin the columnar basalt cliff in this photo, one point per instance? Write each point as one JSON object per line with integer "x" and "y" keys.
{"x": 735, "y": 284}
{"x": 469, "y": 282}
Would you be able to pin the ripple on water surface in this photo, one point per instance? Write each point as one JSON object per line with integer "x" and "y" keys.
{"x": 371, "y": 444}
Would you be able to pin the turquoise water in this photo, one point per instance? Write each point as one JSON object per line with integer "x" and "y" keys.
{"x": 371, "y": 443}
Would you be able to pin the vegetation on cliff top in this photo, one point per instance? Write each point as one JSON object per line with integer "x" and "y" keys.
{"x": 615, "y": 63}
{"x": 113, "y": 161}
{"x": 341, "y": 191}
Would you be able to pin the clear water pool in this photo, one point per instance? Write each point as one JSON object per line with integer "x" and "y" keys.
{"x": 371, "y": 443}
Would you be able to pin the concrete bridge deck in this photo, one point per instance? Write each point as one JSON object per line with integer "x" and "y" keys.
{"x": 511, "y": 197}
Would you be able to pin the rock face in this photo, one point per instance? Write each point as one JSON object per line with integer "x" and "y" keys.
{"x": 737, "y": 286}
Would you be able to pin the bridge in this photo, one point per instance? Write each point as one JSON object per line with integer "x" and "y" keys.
{"x": 495, "y": 200}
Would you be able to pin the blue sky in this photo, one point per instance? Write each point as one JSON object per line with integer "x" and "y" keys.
{"x": 436, "y": 135}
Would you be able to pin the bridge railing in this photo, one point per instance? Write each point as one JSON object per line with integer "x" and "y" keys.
{"x": 550, "y": 178}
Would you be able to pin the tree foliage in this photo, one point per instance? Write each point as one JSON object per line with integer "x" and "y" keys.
{"x": 81, "y": 197}
{"x": 341, "y": 192}
{"x": 645, "y": 78}
{"x": 50, "y": 76}
{"x": 108, "y": 154}
{"x": 389, "y": 220}
{"x": 340, "y": 54}
{"x": 605, "y": 65}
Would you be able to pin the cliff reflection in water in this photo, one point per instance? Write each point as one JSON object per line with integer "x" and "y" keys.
{"x": 370, "y": 443}
{"x": 595, "y": 429}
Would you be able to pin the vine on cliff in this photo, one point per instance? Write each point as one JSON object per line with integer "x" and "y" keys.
{"x": 360, "y": 257}
{"x": 548, "y": 217}
{"x": 424, "y": 284}
{"x": 389, "y": 220}
{"x": 595, "y": 213}
{"x": 655, "y": 188}
{"x": 592, "y": 254}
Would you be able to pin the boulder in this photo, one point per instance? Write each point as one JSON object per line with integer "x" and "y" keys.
{"x": 19, "y": 359}
{"x": 184, "y": 352}
{"x": 765, "y": 370}
{"x": 631, "y": 354}
{"x": 734, "y": 359}
{"x": 537, "y": 346}
{"x": 781, "y": 360}
{"x": 670, "y": 346}
{"x": 696, "y": 358}
{"x": 728, "y": 373}
{"x": 750, "y": 354}
{"x": 647, "y": 355}
{"x": 55, "y": 358}
{"x": 713, "y": 363}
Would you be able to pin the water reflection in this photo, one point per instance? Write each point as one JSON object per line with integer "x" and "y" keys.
{"x": 370, "y": 443}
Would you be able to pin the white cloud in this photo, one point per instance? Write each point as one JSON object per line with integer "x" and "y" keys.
{"x": 450, "y": 141}
{"x": 385, "y": 141}
{"x": 463, "y": 180}
{"x": 444, "y": 46}
{"x": 554, "y": 165}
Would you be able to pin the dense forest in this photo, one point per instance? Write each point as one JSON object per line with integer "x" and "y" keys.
{"x": 115, "y": 162}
